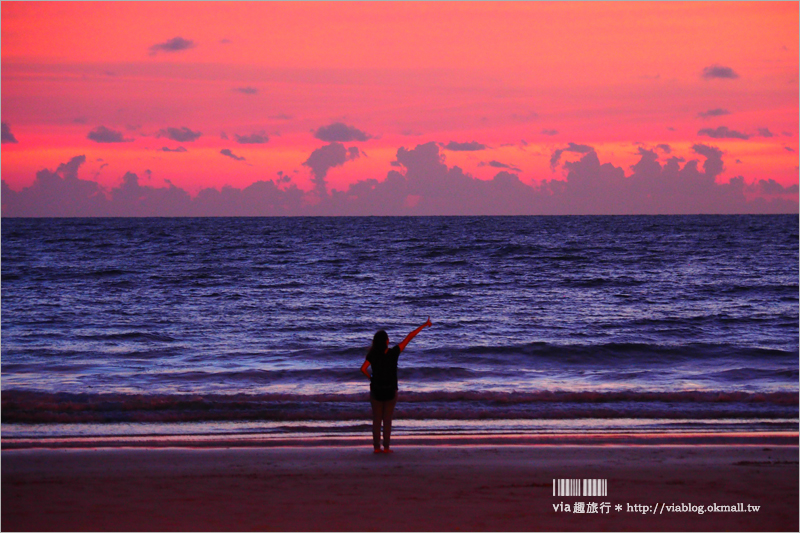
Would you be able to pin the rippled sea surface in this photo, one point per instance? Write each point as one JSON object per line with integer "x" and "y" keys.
{"x": 261, "y": 324}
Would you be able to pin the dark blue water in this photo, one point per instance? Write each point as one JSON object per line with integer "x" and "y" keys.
{"x": 252, "y": 322}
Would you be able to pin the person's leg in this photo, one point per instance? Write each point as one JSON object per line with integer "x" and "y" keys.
{"x": 388, "y": 412}
{"x": 377, "y": 418}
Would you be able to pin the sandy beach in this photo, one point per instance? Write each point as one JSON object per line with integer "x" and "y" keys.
{"x": 417, "y": 488}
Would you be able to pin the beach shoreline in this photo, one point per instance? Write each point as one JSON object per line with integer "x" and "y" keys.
{"x": 443, "y": 487}
{"x": 213, "y": 440}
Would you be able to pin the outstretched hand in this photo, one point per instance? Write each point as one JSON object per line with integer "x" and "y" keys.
{"x": 414, "y": 334}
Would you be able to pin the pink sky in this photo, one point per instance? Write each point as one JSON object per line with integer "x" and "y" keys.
{"x": 247, "y": 90}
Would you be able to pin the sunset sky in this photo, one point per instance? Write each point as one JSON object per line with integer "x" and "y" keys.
{"x": 319, "y": 97}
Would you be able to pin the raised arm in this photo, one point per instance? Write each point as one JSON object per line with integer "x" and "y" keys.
{"x": 414, "y": 334}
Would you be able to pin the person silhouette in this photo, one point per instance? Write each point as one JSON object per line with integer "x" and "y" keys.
{"x": 383, "y": 383}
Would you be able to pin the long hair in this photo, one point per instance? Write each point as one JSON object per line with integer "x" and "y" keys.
{"x": 378, "y": 344}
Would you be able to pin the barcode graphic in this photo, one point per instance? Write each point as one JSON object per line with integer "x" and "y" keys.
{"x": 580, "y": 487}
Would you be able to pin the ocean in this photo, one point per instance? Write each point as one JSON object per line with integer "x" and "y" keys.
{"x": 253, "y": 330}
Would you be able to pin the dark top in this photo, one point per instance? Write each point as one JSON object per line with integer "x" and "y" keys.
{"x": 384, "y": 370}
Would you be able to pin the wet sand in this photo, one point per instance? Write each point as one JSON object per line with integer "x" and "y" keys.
{"x": 418, "y": 488}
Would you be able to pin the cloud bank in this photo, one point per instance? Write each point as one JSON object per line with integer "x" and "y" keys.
{"x": 423, "y": 184}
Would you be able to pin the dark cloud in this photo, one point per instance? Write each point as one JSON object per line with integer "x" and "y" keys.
{"x": 262, "y": 198}
{"x": 473, "y": 146}
{"x": 595, "y": 188}
{"x": 339, "y": 132}
{"x": 7, "y": 136}
{"x": 722, "y": 132}
{"x": 58, "y": 193}
{"x": 549, "y": 132}
{"x": 246, "y": 90}
{"x": 131, "y": 199}
{"x": 571, "y": 147}
{"x": 667, "y": 149}
{"x": 176, "y": 44}
{"x": 323, "y": 159}
{"x": 178, "y": 149}
{"x": 718, "y": 112}
{"x": 181, "y": 135}
{"x": 764, "y": 132}
{"x": 719, "y": 72}
{"x": 225, "y": 41}
{"x": 589, "y": 182}
{"x": 253, "y": 138}
{"x": 498, "y": 164}
{"x": 428, "y": 186}
{"x": 771, "y": 187}
{"x": 227, "y": 152}
{"x": 788, "y": 149}
{"x": 101, "y": 134}
{"x": 423, "y": 184}
{"x": 223, "y": 136}
{"x": 62, "y": 193}
{"x": 712, "y": 166}
{"x": 282, "y": 116}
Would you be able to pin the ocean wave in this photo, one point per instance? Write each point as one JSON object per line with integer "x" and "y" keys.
{"x": 608, "y": 353}
{"x": 20, "y": 406}
{"x": 589, "y": 283}
{"x": 142, "y": 336}
{"x": 748, "y": 374}
{"x": 297, "y": 375}
{"x": 264, "y": 305}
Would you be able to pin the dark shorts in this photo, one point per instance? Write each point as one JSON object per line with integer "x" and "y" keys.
{"x": 382, "y": 395}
